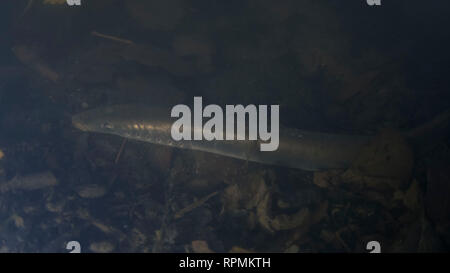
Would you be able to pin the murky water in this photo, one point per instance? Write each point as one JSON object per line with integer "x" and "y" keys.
{"x": 332, "y": 67}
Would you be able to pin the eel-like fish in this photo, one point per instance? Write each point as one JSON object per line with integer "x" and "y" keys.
{"x": 298, "y": 149}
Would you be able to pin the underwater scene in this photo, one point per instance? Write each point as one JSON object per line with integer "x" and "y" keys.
{"x": 224, "y": 126}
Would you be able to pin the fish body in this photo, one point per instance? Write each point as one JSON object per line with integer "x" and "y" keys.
{"x": 298, "y": 149}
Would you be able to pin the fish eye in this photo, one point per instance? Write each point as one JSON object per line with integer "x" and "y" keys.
{"x": 107, "y": 125}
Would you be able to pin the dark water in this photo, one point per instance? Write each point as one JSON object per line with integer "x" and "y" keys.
{"x": 336, "y": 67}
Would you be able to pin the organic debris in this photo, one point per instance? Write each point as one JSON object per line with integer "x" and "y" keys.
{"x": 126, "y": 196}
{"x": 55, "y": 2}
{"x": 91, "y": 191}
{"x": 29, "y": 58}
{"x": 101, "y": 247}
{"x": 29, "y": 182}
{"x": 200, "y": 246}
{"x": 194, "y": 205}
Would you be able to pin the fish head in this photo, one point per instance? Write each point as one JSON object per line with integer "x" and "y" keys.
{"x": 101, "y": 120}
{"x": 124, "y": 120}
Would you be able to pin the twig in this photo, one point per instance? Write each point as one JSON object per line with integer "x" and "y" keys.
{"x": 27, "y": 7}
{"x": 122, "y": 146}
{"x": 194, "y": 205}
{"x": 120, "y": 40}
{"x": 439, "y": 121}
